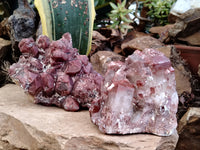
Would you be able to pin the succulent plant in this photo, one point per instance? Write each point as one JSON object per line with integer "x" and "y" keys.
{"x": 159, "y": 10}
{"x": 119, "y": 17}
{"x": 74, "y": 16}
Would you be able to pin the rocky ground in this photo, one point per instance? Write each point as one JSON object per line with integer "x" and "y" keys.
{"x": 25, "y": 125}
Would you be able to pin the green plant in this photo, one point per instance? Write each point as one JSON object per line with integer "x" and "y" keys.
{"x": 119, "y": 17}
{"x": 159, "y": 10}
{"x": 102, "y": 8}
{"x": 75, "y": 17}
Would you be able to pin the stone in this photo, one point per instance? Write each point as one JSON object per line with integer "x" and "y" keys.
{"x": 99, "y": 42}
{"x": 138, "y": 96}
{"x": 98, "y": 36}
{"x": 140, "y": 43}
{"x": 184, "y": 8}
{"x": 182, "y": 72}
{"x": 24, "y": 125}
{"x": 54, "y": 73}
{"x": 134, "y": 34}
{"x": 22, "y": 25}
{"x": 101, "y": 59}
{"x": 189, "y": 130}
{"x": 193, "y": 39}
{"x": 162, "y": 31}
{"x": 166, "y": 50}
{"x": 180, "y": 77}
{"x": 187, "y": 14}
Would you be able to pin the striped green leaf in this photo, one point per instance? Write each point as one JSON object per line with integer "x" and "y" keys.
{"x": 73, "y": 16}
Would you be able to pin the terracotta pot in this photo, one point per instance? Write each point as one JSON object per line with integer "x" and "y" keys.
{"x": 192, "y": 56}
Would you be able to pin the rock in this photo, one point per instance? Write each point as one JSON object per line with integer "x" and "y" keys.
{"x": 187, "y": 15}
{"x": 183, "y": 9}
{"x": 24, "y": 125}
{"x": 99, "y": 42}
{"x": 181, "y": 72}
{"x": 55, "y": 74}
{"x": 134, "y": 34}
{"x": 98, "y": 36}
{"x": 193, "y": 39}
{"x": 130, "y": 36}
{"x": 138, "y": 96}
{"x": 101, "y": 59}
{"x": 140, "y": 43}
{"x": 189, "y": 130}
{"x": 180, "y": 77}
{"x": 22, "y": 25}
{"x": 5, "y": 49}
{"x": 166, "y": 50}
{"x": 162, "y": 31}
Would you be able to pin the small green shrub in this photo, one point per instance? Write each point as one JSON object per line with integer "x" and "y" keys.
{"x": 118, "y": 17}
{"x": 159, "y": 10}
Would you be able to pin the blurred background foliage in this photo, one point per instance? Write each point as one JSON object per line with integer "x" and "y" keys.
{"x": 157, "y": 11}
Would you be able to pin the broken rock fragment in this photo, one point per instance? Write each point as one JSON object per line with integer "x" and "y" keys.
{"x": 138, "y": 96}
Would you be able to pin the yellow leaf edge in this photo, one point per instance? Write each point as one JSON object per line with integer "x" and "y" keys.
{"x": 45, "y": 17}
{"x": 92, "y": 18}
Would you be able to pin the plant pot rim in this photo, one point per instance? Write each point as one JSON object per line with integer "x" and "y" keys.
{"x": 191, "y": 54}
{"x": 186, "y": 47}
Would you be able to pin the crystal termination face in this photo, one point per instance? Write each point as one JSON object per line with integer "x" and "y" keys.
{"x": 138, "y": 96}
{"x": 55, "y": 74}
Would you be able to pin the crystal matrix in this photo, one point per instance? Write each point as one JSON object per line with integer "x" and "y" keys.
{"x": 138, "y": 96}
{"x": 55, "y": 74}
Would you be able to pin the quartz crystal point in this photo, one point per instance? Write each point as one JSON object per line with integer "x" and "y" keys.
{"x": 138, "y": 96}
{"x": 55, "y": 74}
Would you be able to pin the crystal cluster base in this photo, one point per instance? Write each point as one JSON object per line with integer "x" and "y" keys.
{"x": 55, "y": 74}
{"x": 138, "y": 96}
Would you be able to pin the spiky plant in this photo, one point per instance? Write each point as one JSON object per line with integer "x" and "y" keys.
{"x": 4, "y": 76}
{"x": 73, "y": 16}
{"x": 119, "y": 17}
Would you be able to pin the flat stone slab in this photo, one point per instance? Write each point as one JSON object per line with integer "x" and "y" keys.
{"x": 25, "y": 125}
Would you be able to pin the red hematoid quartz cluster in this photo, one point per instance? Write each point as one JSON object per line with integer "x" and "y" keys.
{"x": 135, "y": 96}
{"x": 55, "y": 74}
{"x": 138, "y": 96}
